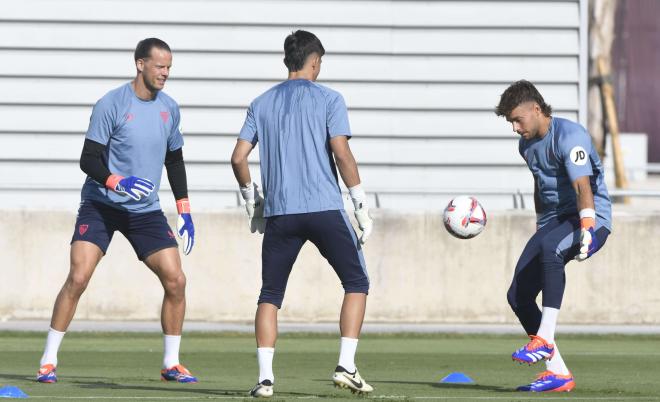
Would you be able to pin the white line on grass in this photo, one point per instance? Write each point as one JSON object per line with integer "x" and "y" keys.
{"x": 172, "y": 398}
{"x": 526, "y": 397}
{"x": 501, "y": 398}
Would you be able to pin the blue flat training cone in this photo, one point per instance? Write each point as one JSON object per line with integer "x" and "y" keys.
{"x": 12, "y": 392}
{"x": 457, "y": 378}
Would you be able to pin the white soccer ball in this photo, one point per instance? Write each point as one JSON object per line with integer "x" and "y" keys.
{"x": 464, "y": 217}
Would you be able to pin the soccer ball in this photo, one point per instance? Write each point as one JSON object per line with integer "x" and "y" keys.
{"x": 464, "y": 217}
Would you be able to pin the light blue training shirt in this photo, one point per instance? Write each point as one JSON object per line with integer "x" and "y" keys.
{"x": 556, "y": 161}
{"x": 137, "y": 135}
{"x": 293, "y": 123}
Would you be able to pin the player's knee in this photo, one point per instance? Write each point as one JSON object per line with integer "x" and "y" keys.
{"x": 272, "y": 296}
{"x": 519, "y": 302}
{"x": 511, "y": 297}
{"x": 175, "y": 285}
{"x": 77, "y": 282}
{"x": 356, "y": 286}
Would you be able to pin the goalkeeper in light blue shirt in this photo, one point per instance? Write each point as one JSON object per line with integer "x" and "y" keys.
{"x": 574, "y": 217}
{"x": 133, "y": 132}
{"x": 302, "y": 129}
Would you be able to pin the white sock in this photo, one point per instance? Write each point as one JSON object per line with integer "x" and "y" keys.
{"x": 347, "y": 353}
{"x": 171, "y": 345}
{"x": 53, "y": 341}
{"x": 265, "y": 359}
{"x": 548, "y": 324}
{"x": 556, "y": 364}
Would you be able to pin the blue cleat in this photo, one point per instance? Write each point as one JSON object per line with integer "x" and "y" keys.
{"x": 536, "y": 350}
{"x": 47, "y": 374}
{"x": 177, "y": 373}
{"x": 548, "y": 381}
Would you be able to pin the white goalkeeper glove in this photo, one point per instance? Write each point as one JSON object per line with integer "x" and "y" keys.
{"x": 365, "y": 223}
{"x": 588, "y": 239}
{"x": 254, "y": 205}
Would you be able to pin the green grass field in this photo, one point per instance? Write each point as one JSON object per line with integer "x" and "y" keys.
{"x": 102, "y": 366}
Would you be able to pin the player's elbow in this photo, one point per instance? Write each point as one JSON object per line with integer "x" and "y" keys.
{"x": 238, "y": 160}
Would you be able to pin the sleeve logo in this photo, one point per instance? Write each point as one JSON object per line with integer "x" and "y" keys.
{"x": 579, "y": 156}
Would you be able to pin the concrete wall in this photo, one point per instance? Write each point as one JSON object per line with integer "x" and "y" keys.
{"x": 418, "y": 272}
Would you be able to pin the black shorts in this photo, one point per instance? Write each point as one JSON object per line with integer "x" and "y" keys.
{"x": 330, "y": 231}
{"x": 147, "y": 232}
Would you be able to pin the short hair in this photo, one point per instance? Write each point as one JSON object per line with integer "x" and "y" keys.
{"x": 520, "y": 92}
{"x": 298, "y": 46}
{"x": 143, "y": 48}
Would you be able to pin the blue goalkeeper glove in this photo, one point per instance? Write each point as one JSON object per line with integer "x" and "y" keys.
{"x": 134, "y": 187}
{"x": 184, "y": 225}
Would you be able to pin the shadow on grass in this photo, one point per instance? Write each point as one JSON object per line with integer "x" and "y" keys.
{"x": 440, "y": 385}
{"x": 181, "y": 388}
{"x": 17, "y": 377}
{"x": 29, "y": 378}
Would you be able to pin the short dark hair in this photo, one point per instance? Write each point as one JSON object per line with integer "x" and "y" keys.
{"x": 143, "y": 48}
{"x": 298, "y": 46}
{"x": 520, "y": 92}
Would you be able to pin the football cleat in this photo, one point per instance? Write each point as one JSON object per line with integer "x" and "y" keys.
{"x": 177, "y": 373}
{"x": 47, "y": 374}
{"x": 353, "y": 381}
{"x": 536, "y": 350}
{"x": 548, "y": 381}
{"x": 263, "y": 389}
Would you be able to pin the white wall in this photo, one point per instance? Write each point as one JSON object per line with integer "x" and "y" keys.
{"x": 418, "y": 272}
{"x": 420, "y": 78}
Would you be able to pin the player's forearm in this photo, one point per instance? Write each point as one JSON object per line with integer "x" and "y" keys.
{"x": 91, "y": 161}
{"x": 348, "y": 169}
{"x": 176, "y": 173}
{"x": 241, "y": 171}
{"x": 239, "y": 162}
{"x": 585, "y": 198}
{"x": 584, "y": 195}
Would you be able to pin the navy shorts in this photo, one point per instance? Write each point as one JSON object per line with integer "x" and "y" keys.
{"x": 330, "y": 231}
{"x": 147, "y": 232}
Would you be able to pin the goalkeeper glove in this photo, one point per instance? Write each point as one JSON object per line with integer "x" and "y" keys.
{"x": 184, "y": 225}
{"x": 365, "y": 223}
{"x": 254, "y": 205}
{"x": 134, "y": 187}
{"x": 588, "y": 239}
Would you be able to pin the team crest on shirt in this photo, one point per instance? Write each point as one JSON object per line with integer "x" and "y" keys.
{"x": 165, "y": 116}
{"x": 578, "y": 156}
{"x": 82, "y": 229}
{"x": 129, "y": 117}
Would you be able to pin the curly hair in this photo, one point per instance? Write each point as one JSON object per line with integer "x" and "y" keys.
{"x": 520, "y": 92}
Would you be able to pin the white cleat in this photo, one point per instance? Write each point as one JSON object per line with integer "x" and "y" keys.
{"x": 343, "y": 379}
{"x": 263, "y": 389}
